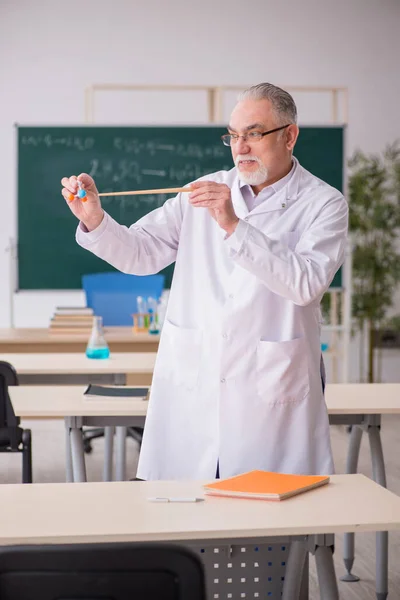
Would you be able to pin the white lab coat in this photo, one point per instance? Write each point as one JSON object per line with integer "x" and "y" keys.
{"x": 237, "y": 376}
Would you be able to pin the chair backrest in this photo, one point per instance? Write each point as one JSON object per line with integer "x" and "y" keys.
{"x": 8, "y": 376}
{"x": 113, "y": 295}
{"x": 108, "y": 571}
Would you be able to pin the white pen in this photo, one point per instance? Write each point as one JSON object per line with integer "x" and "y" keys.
{"x": 165, "y": 499}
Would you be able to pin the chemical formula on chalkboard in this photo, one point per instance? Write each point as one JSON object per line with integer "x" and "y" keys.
{"x": 129, "y": 146}
{"x": 50, "y": 141}
{"x": 159, "y": 146}
{"x": 125, "y": 172}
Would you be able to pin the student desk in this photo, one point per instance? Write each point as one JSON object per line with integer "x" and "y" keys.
{"x": 120, "y": 368}
{"x": 361, "y": 405}
{"x": 70, "y": 404}
{"x": 134, "y": 368}
{"x": 236, "y": 528}
{"x": 358, "y": 404}
{"x": 119, "y": 339}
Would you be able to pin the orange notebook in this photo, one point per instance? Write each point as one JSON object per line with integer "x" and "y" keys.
{"x": 265, "y": 485}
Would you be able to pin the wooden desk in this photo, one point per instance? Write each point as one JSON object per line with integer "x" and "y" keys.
{"x": 363, "y": 398}
{"x": 66, "y": 513}
{"x": 119, "y": 339}
{"x": 358, "y": 404}
{"x": 125, "y": 367}
{"x": 361, "y": 405}
{"x": 121, "y": 512}
{"x": 70, "y": 404}
{"x": 343, "y": 400}
{"x": 120, "y": 368}
{"x": 60, "y": 401}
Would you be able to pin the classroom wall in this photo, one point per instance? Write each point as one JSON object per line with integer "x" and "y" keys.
{"x": 51, "y": 49}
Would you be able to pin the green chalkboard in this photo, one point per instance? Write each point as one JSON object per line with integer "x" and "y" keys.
{"x": 122, "y": 158}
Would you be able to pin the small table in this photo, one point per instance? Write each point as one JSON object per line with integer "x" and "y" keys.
{"x": 77, "y": 410}
{"x": 358, "y": 404}
{"x": 361, "y": 405}
{"x": 135, "y": 368}
{"x": 28, "y": 340}
{"x": 121, "y": 512}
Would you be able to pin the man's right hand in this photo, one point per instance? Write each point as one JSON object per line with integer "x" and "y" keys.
{"x": 88, "y": 209}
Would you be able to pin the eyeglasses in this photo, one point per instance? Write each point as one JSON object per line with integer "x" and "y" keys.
{"x": 252, "y": 136}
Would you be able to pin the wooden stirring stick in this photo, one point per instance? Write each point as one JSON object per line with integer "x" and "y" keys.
{"x": 138, "y": 192}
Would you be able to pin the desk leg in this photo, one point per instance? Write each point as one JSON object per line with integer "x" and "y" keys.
{"x": 119, "y": 379}
{"x": 351, "y": 467}
{"x": 294, "y": 571}
{"x": 120, "y": 474}
{"x": 382, "y": 537}
{"x": 327, "y": 582}
{"x": 108, "y": 452}
{"x": 69, "y": 476}
{"x": 78, "y": 454}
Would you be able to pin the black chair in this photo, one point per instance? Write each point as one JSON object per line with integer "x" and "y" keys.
{"x": 136, "y": 433}
{"x": 128, "y": 571}
{"x": 12, "y": 437}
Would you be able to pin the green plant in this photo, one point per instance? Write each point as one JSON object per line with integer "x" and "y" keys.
{"x": 374, "y": 203}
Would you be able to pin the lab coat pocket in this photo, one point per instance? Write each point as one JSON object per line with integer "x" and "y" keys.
{"x": 179, "y": 355}
{"x": 282, "y": 371}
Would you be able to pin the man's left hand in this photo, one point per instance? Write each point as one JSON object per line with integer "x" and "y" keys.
{"x": 217, "y": 198}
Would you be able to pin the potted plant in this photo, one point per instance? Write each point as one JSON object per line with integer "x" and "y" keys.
{"x": 374, "y": 203}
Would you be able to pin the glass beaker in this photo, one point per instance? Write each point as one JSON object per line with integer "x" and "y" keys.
{"x": 97, "y": 346}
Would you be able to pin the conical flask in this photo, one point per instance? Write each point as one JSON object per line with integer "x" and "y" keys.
{"x": 97, "y": 346}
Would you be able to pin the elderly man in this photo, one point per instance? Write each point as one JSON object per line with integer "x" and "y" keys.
{"x": 237, "y": 383}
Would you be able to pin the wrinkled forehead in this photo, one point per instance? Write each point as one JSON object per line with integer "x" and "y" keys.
{"x": 248, "y": 113}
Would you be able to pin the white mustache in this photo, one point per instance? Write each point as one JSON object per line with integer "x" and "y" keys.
{"x": 247, "y": 157}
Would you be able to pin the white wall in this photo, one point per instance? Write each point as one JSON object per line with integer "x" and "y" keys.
{"x": 50, "y": 50}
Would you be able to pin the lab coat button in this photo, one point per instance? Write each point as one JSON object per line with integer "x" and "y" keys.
{"x": 224, "y": 335}
{"x": 222, "y": 380}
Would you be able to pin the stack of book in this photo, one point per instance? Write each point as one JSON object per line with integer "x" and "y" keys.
{"x": 72, "y": 320}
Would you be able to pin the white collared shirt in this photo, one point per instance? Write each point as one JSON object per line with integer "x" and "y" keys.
{"x": 252, "y": 200}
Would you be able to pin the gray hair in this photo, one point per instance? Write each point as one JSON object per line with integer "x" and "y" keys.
{"x": 282, "y": 102}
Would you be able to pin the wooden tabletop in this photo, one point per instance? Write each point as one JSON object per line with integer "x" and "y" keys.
{"x": 49, "y": 401}
{"x": 121, "y": 511}
{"x": 119, "y": 339}
{"x": 363, "y": 398}
{"x": 57, "y": 402}
{"x": 77, "y": 363}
